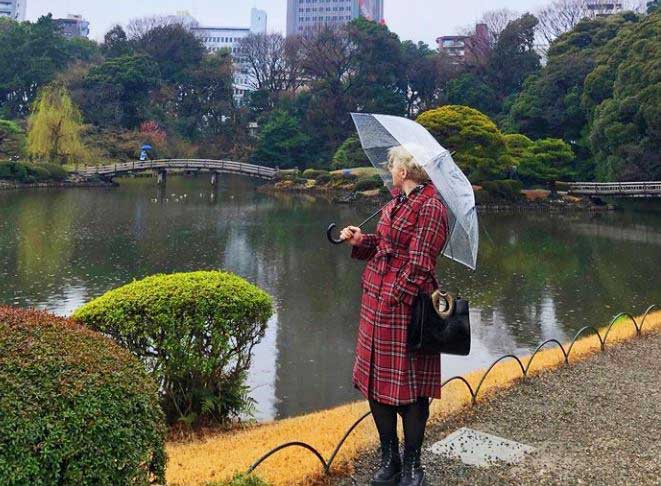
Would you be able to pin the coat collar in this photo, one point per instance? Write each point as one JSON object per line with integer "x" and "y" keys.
{"x": 423, "y": 188}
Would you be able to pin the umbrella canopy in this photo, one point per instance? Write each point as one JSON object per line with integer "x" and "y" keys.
{"x": 146, "y": 147}
{"x": 379, "y": 133}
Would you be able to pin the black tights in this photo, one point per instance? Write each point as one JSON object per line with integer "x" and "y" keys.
{"x": 414, "y": 417}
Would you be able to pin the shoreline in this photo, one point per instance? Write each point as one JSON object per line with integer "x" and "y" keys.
{"x": 375, "y": 198}
{"x": 344, "y": 196}
{"x": 6, "y": 185}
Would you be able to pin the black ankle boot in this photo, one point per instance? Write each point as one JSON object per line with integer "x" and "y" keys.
{"x": 391, "y": 465}
{"x": 412, "y": 472}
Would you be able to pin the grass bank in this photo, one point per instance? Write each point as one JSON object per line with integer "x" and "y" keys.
{"x": 218, "y": 458}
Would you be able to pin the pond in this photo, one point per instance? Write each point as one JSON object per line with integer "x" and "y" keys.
{"x": 539, "y": 275}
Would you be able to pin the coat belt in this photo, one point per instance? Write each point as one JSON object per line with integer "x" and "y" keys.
{"x": 386, "y": 256}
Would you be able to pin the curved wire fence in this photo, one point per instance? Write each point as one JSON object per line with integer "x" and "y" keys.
{"x": 326, "y": 464}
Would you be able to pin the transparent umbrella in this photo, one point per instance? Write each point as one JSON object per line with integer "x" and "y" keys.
{"x": 379, "y": 133}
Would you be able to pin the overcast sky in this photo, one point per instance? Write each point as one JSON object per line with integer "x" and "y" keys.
{"x": 411, "y": 19}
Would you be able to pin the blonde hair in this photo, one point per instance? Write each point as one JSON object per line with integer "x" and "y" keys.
{"x": 402, "y": 157}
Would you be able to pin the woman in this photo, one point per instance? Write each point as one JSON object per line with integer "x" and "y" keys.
{"x": 401, "y": 262}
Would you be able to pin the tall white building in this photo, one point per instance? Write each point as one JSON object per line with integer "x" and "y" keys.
{"x": 14, "y": 9}
{"x": 216, "y": 38}
{"x": 306, "y": 15}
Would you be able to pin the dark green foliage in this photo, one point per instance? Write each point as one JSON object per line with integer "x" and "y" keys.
{"x": 350, "y": 154}
{"x": 623, "y": 98}
{"x": 470, "y": 90}
{"x": 176, "y": 50}
{"x": 543, "y": 161}
{"x": 368, "y": 183}
{"x": 194, "y": 332}
{"x": 75, "y": 408}
{"x": 26, "y": 172}
{"x": 31, "y": 54}
{"x": 282, "y": 143}
{"x": 115, "y": 42}
{"x": 118, "y": 91}
{"x": 12, "y": 139}
{"x": 514, "y": 57}
{"x": 550, "y": 104}
{"x": 505, "y": 190}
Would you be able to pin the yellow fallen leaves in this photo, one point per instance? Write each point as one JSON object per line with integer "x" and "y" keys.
{"x": 218, "y": 458}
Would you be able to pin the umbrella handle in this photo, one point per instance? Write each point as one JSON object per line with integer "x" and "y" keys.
{"x": 329, "y": 235}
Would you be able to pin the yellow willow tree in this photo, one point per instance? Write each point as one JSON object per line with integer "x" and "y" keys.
{"x": 54, "y": 127}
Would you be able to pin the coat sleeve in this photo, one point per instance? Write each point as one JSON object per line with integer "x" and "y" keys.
{"x": 424, "y": 248}
{"x": 367, "y": 249}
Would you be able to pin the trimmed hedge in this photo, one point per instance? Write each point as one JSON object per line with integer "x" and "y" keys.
{"x": 75, "y": 408}
{"x": 195, "y": 333}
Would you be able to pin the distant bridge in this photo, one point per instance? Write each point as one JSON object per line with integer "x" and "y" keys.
{"x": 161, "y": 167}
{"x": 617, "y": 189}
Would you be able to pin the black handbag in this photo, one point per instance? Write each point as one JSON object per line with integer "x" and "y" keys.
{"x": 440, "y": 323}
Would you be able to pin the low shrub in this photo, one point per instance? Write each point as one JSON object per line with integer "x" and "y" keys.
{"x": 506, "y": 190}
{"x": 240, "y": 480}
{"x": 194, "y": 332}
{"x": 314, "y": 173}
{"x": 57, "y": 172}
{"x": 75, "y": 408}
{"x": 323, "y": 179}
{"x": 38, "y": 172}
{"x": 369, "y": 183}
{"x": 25, "y": 172}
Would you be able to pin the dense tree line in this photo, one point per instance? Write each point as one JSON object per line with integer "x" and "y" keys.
{"x": 582, "y": 108}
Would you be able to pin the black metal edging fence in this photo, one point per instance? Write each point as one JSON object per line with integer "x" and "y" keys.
{"x": 474, "y": 393}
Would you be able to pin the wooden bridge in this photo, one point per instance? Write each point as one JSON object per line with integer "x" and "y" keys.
{"x": 616, "y": 189}
{"x": 161, "y": 167}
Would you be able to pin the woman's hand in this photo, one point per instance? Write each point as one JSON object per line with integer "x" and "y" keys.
{"x": 352, "y": 234}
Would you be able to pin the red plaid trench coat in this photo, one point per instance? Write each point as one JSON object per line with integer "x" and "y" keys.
{"x": 401, "y": 261}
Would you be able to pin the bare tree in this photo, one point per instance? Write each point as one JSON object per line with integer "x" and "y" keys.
{"x": 138, "y": 27}
{"x": 559, "y": 17}
{"x": 496, "y": 21}
{"x": 272, "y": 62}
{"x": 328, "y": 56}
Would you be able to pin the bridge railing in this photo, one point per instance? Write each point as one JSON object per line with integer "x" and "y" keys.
{"x": 184, "y": 164}
{"x": 633, "y": 188}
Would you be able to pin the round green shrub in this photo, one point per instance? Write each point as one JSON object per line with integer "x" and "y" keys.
{"x": 368, "y": 183}
{"x": 194, "y": 332}
{"x": 507, "y": 190}
{"x": 75, "y": 408}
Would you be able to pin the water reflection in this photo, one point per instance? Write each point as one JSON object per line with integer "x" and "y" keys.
{"x": 539, "y": 275}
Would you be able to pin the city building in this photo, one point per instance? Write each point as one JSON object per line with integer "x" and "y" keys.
{"x": 307, "y": 15}
{"x": 602, "y": 8}
{"x": 216, "y": 38}
{"x": 13, "y": 9}
{"x": 466, "y": 49}
{"x": 73, "y": 26}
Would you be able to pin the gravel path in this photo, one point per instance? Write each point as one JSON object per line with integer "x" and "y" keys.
{"x": 596, "y": 422}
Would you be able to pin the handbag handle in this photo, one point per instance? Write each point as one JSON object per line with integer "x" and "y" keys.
{"x": 439, "y": 298}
